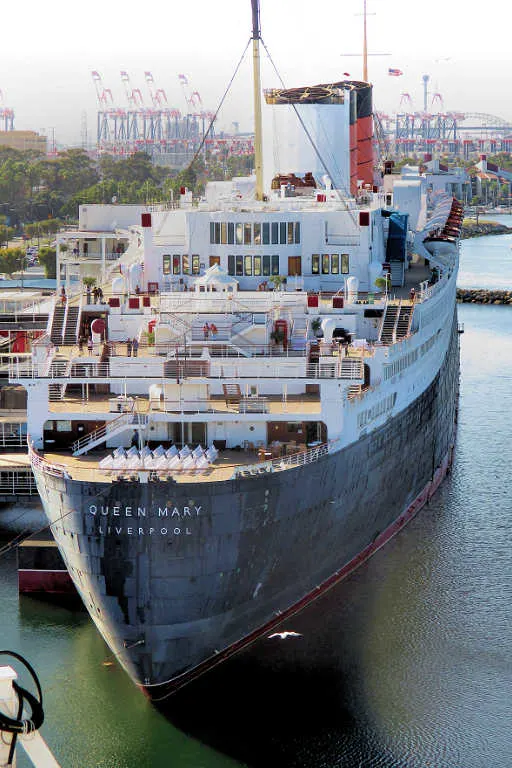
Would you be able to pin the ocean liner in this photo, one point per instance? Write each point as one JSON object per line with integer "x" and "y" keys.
{"x": 254, "y": 411}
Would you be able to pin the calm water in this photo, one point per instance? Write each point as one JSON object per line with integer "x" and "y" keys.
{"x": 486, "y": 262}
{"x": 404, "y": 665}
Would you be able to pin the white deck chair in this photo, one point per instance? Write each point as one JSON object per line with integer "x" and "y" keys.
{"x": 134, "y": 462}
{"x": 172, "y": 452}
{"x": 119, "y": 462}
{"x": 185, "y": 451}
{"x": 131, "y": 452}
{"x": 202, "y": 462}
{"x": 160, "y": 462}
{"x": 145, "y": 453}
{"x": 107, "y": 462}
{"x": 174, "y": 463}
{"x": 212, "y": 453}
{"x": 188, "y": 463}
{"x": 197, "y": 452}
{"x": 119, "y": 452}
{"x": 149, "y": 462}
{"x": 160, "y": 451}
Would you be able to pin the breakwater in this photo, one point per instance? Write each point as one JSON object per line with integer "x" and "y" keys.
{"x": 483, "y": 296}
{"x": 470, "y": 228}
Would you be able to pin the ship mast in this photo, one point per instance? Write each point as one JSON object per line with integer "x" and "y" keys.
{"x": 258, "y": 148}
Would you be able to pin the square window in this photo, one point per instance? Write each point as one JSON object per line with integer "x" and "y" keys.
{"x": 275, "y": 233}
{"x": 212, "y": 231}
{"x": 257, "y": 233}
{"x": 239, "y": 231}
{"x": 283, "y": 229}
{"x": 247, "y": 234}
{"x": 231, "y": 233}
{"x": 257, "y": 266}
{"x": 335, "y": 263}
{"x": 223, "y": 233}
{"x": 196, "y": 265}
{"x": 275, "y": 264}
{"x": 266, "y": 266}
{"x": 239, "y": 266}
{"x": 345, "y": 266}
{"x": 290, "y": 233}
{"x": 231, "y": 264}
{"x": 176, "y": 264}
{"x": 248, "y": 265}
{"x": 185, "y": 264}
{"x": 217, "y": 232}
{"x": 315, "y": 264}
{"x": 325, "y": 264}
{"x": 166, "y": 264}
{"x": 265, "y": 233}
{"x": 297, "y": 232}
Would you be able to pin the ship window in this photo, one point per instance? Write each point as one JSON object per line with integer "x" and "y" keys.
{"x": 185, "y": 264}
{"x": 239, "y": 265}
{"x": 217, "y": 232}
{"x": 239, "y": 233}
{"x": 257, "y": 233}
{"x": 247, "y": 234}
{"x": 335, "y": 263}
{"x": 257, "y": 266}
{"x": 325, "y": 264}
{"x": 266, "y": 265}
{"x": 212, "y": 231}
{"x": 195, "y": 264}
{"x": 224, "y": 233}
{"x": 265, "y": 233}
{"x": 231, "y": 233}
{"x": 275, "y": 264}
{"x": 315, "y": 264}
{"x": 175, "y": 265}
{"x": 291, "y": 234}
{"x": 248, "y": 266}
{"x": 282, "y": 232}
{"x": 231, "y": 264}
{"x": 166, "y": 264}
{"x": 214, "y": 260}
{"x": 297, "y": 232}
{"x": 345, "y": 266}
{"x": 275, "y": 233}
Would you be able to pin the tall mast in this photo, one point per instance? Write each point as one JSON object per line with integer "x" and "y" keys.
{"x": 258, "y": 148}
{"x": 365, "y": 46}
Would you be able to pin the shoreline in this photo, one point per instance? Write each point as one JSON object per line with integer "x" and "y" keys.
{"x": 471, "y": 229}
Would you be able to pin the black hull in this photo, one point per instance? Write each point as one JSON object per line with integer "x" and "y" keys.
{"x": 178, "y": 576}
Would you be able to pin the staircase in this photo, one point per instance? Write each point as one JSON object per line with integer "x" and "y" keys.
{"x": 397, "y": 273}
{"x": 120, "y": 424}
{"x": 232, "y": 394}
{"x": 299, "y": 333}
{"x": 72, "y": 324}
{"x": 404, "y": 322}
{"x": 57, "y": 324}
{"x": 388, "y": 330}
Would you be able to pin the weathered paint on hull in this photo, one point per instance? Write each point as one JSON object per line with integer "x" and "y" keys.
{"x": 177, "y": 576}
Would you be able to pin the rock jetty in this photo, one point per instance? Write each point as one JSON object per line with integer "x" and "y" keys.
{"x": 482, "y": 296}
{"x": 471, "y": 229}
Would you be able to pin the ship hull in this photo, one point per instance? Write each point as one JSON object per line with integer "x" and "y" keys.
{"x": 179, "y": 576}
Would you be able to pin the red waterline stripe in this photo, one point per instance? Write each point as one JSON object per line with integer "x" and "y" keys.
{"x": 424, "y": 496}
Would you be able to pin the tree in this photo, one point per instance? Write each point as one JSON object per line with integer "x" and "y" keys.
{"x": 11, "y": 260}
{"x": 48, "y": 260}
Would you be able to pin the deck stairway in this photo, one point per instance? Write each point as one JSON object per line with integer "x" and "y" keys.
{"x": 72, "y": 324}
{"x": 397, "y": 273}
{"x": 403, "y": 325}
{"x": 299, "y": 333}
{"x": 223, "y": 325}
{"x": 232, "y": 394}
{"x": 57, "y": 325}
{"x": 128, "y": 420}
{"x": 388, "y": 330}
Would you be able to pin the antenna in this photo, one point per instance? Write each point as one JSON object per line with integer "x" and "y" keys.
{"x": 258, "y": 146}
{"x": 365, "y": 53}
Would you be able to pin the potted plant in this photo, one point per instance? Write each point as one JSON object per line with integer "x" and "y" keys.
{"x": 316, "y": 327}
{"x": 278, "y": 281}
{"x": 383, "y": 283}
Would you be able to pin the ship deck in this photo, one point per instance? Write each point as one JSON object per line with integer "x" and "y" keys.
{"x": 86, "y": 468}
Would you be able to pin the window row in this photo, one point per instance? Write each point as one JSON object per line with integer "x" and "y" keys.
{"x": 257, "y": 233}
{"x": 181, "y": 264}
{"x": 253, "y": 265}
{"x": 330, "y": 264}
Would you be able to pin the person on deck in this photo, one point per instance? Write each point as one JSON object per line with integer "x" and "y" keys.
{"x": 206, "y": 331}
{"x": 129, "y": 348}
{"x": 412, "y": 294}
{"x": 89, "y": 345}
{"x": 135, "y": 345}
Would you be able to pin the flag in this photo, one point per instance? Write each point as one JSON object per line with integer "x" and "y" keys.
{"x": 395, "y": 72}
{"x": 183, "y": 79}
{"x": 346, "y": 74}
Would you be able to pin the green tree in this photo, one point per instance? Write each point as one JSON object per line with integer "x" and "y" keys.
{"x": 11, "y": 260}
{"x": 48, "y": 260}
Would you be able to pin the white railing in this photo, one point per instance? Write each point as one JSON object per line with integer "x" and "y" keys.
{"x": 276, "y": 465}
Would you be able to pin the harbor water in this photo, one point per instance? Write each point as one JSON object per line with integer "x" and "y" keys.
{"x": 406, "y": 664}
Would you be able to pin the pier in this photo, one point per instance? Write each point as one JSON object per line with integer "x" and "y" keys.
{"x": 483, "y": 296}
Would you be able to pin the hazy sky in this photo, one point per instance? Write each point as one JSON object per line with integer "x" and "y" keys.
{"x": 48, "y": 50}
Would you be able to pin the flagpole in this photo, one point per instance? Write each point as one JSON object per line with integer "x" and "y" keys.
{"x": 365, "y": 47}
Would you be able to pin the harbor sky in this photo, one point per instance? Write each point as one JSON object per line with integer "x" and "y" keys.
{"x": 46, "y": 65}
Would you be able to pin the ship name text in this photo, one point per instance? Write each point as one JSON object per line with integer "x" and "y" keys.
{"x": 170, "y": 512}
